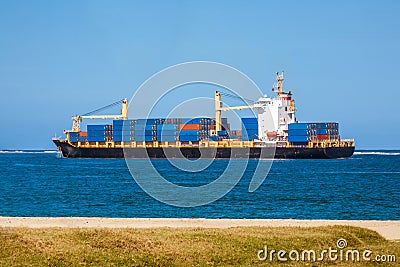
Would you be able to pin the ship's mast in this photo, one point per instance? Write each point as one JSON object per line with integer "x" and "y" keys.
{"x": 218, "y": 115}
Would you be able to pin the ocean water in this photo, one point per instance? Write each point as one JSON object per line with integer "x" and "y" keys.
{"x": 365, "y": 186}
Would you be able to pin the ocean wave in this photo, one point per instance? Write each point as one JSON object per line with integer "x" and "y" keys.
{"x": 377, "y": 153}
{"x": 26, "y": 152}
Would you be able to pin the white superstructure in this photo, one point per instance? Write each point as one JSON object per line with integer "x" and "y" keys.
{"x": 274, "y": 114}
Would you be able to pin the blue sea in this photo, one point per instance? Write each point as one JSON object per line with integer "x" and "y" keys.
{"x": 365, "y": 186}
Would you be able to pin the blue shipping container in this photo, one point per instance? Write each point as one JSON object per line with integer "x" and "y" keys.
{"x": 189, "y": 132}
{"x": 298, "y": 126}
{"x": 73, "y": 136}
{"x": 299, "y": 132}
{"x": 96, "y": 133}
{"x": 170, "y": 127}
{"x": 298, "y": 138}
{"x": 96, "y": 139}
{"x": 117, "y": 138}
{"x": 250, "y": 120}
{"x": 189, "y": 138}
{"x": 123, "y": 127}
{"x": 191, "y": 120}
{"x": 250, "y": 126}
{"x": 139, "y": 127}
{"x": 122, "y": 122}
{"x": 96, "y": 127}
{"x": 249, "y": 131}
{"x": 322, "y": 131}
{"x": 171, "y": 133}
{"x": 166, "y": 138}
{"x": 222, "y": 133}
{"x": 322, "y": 125}
{"x": 146, "y": 121}
{"x": 214, "y": 138}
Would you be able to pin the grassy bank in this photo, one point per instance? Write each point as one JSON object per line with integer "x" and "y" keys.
{"x": 181, "y": 247}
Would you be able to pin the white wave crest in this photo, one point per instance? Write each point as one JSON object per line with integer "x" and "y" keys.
{"x": 26, "y": 152}
{"x": 377, "y": 153}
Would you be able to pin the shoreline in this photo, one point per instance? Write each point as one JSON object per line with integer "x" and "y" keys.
{"x": 388, "y": 229}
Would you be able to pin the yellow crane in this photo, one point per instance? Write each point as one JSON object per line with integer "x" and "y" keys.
{"x": 219, "y": 109}
{"x": 76, "y": 121}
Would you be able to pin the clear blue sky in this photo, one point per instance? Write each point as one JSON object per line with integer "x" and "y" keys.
{"x": 60, "y": 58}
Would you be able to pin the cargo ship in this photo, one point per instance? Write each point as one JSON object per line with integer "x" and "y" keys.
{"x": 274, "y": 133}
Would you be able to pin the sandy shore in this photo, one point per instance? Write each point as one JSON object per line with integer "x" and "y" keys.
{"x": 388, "y": 229}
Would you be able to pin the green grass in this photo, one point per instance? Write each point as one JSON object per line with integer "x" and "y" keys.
{"x": 180, "y": 247}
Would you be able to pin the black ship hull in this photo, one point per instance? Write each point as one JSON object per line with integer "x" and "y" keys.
{"x": 70, "y": 151}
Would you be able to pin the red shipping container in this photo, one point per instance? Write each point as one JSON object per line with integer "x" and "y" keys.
{"x": 83, "y": 134}
{"x": 322, "y": 137}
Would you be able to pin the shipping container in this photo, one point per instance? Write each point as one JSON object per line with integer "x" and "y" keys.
{"x": 145, "y": 121}
{"x": 300, "y": 132}
{"x": 83, "y": 138}
{"x": 249, "y": 120}
{"x": 144, "y": 138}
{"x": 190, "y": 132}
{"x": 189, "y": 138}
{"x": 122, "y": 133}
{"x": 166, "y": 133}
{"x": 322, "y": 131}
{"x": 124, "y": 127}
{"x": 321, "y": 137}
{"x": 214, "y": 138}
{"x": 81, "y": 134}
{"x": 73, "y": 136}
{"x": 299, "y": 138}
{"x": 141, "y": 127}
{"x": 191, "y": 120}
{"x": 95, "y": 127}
{"x": 167, "y": 138}
{"x": 222, "y": 133}
{"x": 96, "y": 133}
{"x": 250, "y": 126}
{"x": 122, "y": 122}
{"x": 168, "y": 127}
{"x": 299, "y": 126}
{"x": 249, "y": 131}
{"x": 191, "y": 127}
{"x": 322, "y": 125}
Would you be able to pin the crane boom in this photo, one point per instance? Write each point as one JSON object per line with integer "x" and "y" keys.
{"x": 76, "y": 125}
{"x": 219, "y": 108}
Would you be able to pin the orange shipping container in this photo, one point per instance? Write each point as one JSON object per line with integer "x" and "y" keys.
{"x": 82, "y": 134}
{"x": 190, "y": 126}
{"x": 322, "y": 137}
